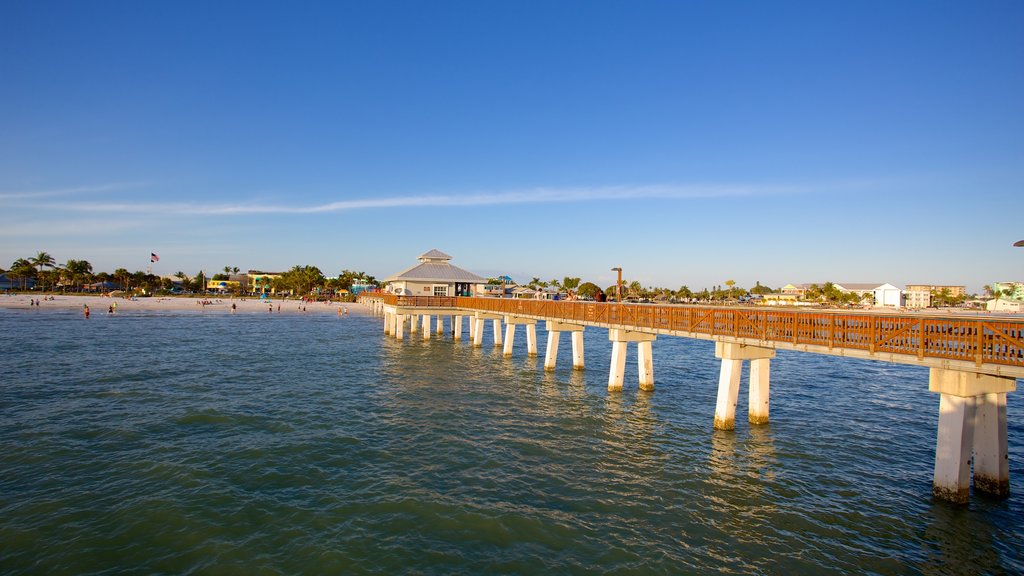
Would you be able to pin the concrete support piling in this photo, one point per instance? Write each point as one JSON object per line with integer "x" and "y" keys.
{"x": 551, "y": 353}
{"x": 456, "y": 328}
{"x": 645, "y": 365}
{"x": 497, "y": 332}
{"x": 618, "y": 367}
{"x": 577, "y": 349}
{"x": 728, "y": 392}
{"x": 732, "y": 356}
{"x": 620, "y": 340}
{"x": 972, "y": 422}
{"x": 555, "y": 329}
{"x": 478, "y": 331}
{"x": 399, "y": 326}
{"x": 510, "y": 334}
{"x": 757, "y": 401}
{"x": 991, "y": 452}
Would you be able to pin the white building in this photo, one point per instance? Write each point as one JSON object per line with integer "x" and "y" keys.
{"x": 885, "y": 295}
{"x": 434, "y": 276}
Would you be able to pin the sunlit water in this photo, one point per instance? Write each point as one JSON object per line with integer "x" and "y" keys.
{"x": 194, "y": 442}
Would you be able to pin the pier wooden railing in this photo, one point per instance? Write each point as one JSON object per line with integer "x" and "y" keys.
{"x": 981, "y": 340}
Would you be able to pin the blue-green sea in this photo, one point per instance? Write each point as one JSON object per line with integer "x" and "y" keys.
{"x": 209, "y": 443}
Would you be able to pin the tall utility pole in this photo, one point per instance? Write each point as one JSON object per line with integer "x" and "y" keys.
{"x": 618, "y": 284}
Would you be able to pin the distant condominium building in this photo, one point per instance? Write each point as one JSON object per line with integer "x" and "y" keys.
{"x": 920, "y": 295}
{"x": 1009, "y": 290}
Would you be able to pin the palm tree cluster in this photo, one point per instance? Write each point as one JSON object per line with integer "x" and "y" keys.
{"x": 75, "y": 275}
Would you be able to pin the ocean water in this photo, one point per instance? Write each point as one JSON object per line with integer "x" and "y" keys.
{"x": 210, "y": 443}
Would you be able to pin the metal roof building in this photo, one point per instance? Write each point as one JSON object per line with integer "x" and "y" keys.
{"x": 434, "y": 276}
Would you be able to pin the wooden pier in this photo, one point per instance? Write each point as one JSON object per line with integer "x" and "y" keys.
{"x": 973, "y": 361}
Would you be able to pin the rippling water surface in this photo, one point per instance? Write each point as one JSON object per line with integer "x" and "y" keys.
{"x": 193, "y": 442}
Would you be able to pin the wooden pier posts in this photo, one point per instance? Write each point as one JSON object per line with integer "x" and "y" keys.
{"x": 972, "y": 421}
{"x": 732, "y": 356}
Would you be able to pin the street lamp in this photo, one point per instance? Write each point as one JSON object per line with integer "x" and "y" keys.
{"x": 618, "y": 284}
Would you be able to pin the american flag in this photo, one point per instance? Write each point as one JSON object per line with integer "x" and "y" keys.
{"x": 153, "y": 257}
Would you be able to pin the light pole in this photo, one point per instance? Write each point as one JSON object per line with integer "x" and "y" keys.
{"x": 618, "y": 284}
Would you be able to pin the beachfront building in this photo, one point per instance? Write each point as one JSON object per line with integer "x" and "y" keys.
{"x": 435, "y": 276}
{"x": 883, "y": 295}
{"x": 262, "y": 282}
{"x": 779, "y": 299}
{"x": 224, "y": 286}
{"x": 1009, "y": 297}
{"x": 797, "y": 290}
{"x": 920, "y": 295}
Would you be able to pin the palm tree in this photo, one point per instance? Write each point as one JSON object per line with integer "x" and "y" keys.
{"x": 122, "y": 276}
{"x": 42, "y": 260}
{"x": 22, "y": 269}
{"x": 78, "y": 271}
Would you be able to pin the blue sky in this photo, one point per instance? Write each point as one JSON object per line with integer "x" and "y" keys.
{"x": 688, "y": 142}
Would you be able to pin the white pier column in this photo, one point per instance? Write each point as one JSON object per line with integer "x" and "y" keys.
{"x": 991, "y": 454}
{"x": 497, "y": 332}
{"x": 618, "y": 368}
{"x": 510, "y": 336}
{"x": 399, "y": 326}
{"x": 477, "y": 321}
{"x": 555, "y": 329}
{"x": 952, "y": 479}
{"x": 645, "y": 365}
{"x": 457, "y": 328}
{"x": 551, "y": 354}
{"x": 440, "y": 324}
{"x": 510, "y": 333}
{"x": 478, "y": 331}
{"x": 732, "y": 356}
{"x": 728, "y": 392}
{"x": 620, "y": 340}
{"x": 413, "y": 324}
{"x": 758, "y": 395}
{"x": 577, "y": 349}
{"x": 972, "y": 418}
{"x": 426, "y": 326}
{"x": 387, "y": 324}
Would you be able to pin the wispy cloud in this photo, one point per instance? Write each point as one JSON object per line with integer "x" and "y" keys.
{"x": 68, "y": 229}
{"x": 531, "y": 196}
{"x": 71, "y": 191}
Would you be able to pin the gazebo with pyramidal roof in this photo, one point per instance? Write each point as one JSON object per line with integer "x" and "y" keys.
{"x": 434, "y": 276}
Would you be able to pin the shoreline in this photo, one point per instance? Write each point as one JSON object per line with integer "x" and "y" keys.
{"x": 101, "y": 304}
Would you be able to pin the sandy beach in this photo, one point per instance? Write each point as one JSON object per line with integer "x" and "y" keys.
{"x": 101, "y": 304}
